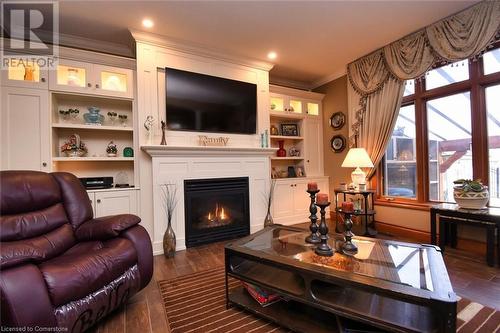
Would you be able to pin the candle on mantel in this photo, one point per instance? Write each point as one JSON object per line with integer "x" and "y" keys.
{"x": 312, "y": 186}
{"x": 322, "y": 198}
{"x": 348, "y": 207}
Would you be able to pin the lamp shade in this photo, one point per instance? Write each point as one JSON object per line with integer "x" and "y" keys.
{"x": 357, "y": 157}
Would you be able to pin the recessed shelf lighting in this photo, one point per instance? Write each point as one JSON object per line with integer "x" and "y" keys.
{"x": 147, "y": 23}
{"x": 272, "y": 55}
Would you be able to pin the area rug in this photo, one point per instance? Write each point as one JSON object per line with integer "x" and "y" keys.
{"x": 196, "y": 303}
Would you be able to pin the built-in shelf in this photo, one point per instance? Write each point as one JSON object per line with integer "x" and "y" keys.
{"x": 93, "y": 127}
{"x": 286, "y": 137}
{"x": 92, "y": 159}
{"x": 287, "y": 158}
{"x": 283, "y": 115}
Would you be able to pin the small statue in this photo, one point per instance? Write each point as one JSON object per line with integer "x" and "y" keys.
{"x": 163, "y": 128}
{"x": 148, "y": 125}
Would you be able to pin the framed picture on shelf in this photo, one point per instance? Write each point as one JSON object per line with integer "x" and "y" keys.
{"x": 289, "y": 129}
{"x": 299, "y": 171}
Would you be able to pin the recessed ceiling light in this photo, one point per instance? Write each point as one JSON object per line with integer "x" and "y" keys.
{"x": 147, "y": 23}
{"x": 272, "y": 55}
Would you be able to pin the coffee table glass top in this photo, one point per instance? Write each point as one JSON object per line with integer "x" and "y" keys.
{"x": 401, "y": 263}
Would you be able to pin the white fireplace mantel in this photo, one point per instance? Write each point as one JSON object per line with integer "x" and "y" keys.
{"x": 208, "y": 151}
{"x": 175, "y": 164}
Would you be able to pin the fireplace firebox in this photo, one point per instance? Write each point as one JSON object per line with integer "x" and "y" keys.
{"x": 216, "y": 209}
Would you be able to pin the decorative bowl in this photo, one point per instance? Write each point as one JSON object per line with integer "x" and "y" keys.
{"x": 93, "y": 117}
{"x": 471, "y": 199}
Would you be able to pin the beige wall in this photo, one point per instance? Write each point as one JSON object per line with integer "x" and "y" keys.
{"x": 335, "y": 100}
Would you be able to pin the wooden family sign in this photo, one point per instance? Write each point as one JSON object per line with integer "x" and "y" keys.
{"x": 204, "y": 140}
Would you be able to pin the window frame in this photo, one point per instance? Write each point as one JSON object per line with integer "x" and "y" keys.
{"x": 476, "y": 85}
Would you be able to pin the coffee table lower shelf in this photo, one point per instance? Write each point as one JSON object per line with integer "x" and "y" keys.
{"x": 290, "y": 314}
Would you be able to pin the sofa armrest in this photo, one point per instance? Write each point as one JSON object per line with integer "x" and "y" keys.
{"x": 142, "y": 243}
{"x": 107, "y": 227}
{"x": 24, "y": 298}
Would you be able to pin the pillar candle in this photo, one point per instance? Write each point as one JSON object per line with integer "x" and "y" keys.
{"x": 322, "y": 198}
{"x": 312, "y": 186}
{"x": 348, "y": 207}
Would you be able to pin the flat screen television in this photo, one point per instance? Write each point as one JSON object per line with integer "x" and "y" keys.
{"x": 204, "y": 103}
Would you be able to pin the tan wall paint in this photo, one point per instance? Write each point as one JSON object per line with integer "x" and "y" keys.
{"x": 335, "y": 100}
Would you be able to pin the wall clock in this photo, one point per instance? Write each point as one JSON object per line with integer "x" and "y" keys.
{"x": 337, "y": 143}
{"x": 337, "y": 120}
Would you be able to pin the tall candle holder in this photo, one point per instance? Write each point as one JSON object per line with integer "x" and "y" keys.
{"x": 348, "y": 247}
{"x": 313, "y": 238}
{"x": 323, "y": 249}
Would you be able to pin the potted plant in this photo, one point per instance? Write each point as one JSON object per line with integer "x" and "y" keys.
{"x": 74, "y": 147}
{"x": 470, "y": 194}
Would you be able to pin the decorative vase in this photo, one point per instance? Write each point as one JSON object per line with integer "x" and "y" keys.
{"x": 93, "y": 117}
{"x": 169, "y": 241}
{"x": 281, "y": 151}
{"x": 268, "y": 220}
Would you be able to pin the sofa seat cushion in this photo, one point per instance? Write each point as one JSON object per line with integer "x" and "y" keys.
{"x": 85, "y": 269}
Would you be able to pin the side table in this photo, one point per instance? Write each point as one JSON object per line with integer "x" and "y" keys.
{"x": 367, "y": 213}
{"x": 450, "y": 215}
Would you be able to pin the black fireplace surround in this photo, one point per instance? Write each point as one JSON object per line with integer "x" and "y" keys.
{"x": 216, "y": 209}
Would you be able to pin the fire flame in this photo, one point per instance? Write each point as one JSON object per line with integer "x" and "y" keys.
{"x": 218, "y": 214}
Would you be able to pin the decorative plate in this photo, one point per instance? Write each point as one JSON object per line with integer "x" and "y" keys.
{"x": 338, "y": 143}
{"x": 337, "y": 120}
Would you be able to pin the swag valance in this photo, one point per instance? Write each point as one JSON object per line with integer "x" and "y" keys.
{"x": 461, "y": 36}
{"x": 377, "y": 80}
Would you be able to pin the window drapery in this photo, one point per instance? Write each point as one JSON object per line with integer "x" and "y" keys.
{"x": 377, "y": 80}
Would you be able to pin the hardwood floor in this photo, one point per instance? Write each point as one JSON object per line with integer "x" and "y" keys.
{"x": 469, "y": 274}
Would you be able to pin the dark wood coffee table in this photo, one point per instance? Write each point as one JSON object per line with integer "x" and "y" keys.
{"x": 393, "y": 286}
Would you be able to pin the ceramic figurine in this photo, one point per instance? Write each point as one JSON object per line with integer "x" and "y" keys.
{"x": 111, "y": 149}
{"x": 148, "y": 125}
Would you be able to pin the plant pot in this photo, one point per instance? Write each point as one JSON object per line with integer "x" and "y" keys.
{"x": 111, "y": 154}
{"x": 472, "y": 200}
{"x": 169, "y": 241}
{"x": 75, "y": 153}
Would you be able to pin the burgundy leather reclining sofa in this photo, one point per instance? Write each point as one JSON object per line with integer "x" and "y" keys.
{"x": 59, "y": 266}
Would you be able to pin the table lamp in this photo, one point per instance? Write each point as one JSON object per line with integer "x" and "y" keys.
{"x": 357, "y": 158}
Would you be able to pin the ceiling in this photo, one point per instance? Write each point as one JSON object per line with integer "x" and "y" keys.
{"x": 314, "y": 40}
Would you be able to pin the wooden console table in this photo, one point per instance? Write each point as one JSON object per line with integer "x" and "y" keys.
{"x": 450, "y": 215}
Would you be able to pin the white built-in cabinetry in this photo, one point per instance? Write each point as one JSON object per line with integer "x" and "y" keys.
{"x": 301, "y": 108}
{"x": 105, "y": 202}
{"x": 32, "y": 129}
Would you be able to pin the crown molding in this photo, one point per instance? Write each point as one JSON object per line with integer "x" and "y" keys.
{"x": 295, "y": 92}
{"x": 89, "y": 44}
{"x": 197, "y": 49}
{"x": 321, "y": 81}
{"x": 96, "y": 45}
{"x": 279, "y": 81}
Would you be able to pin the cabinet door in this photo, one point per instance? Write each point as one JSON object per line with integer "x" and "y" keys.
{"x": 313, "y": 151}
{"x": 115, "y": 202}
{"x": 278, "y": 103}
{"x": 24, "y": 124}
{"x": 301, "y": 200}
{"x": 72, "y": 76}
{"x": 113, "y": 81}
{"x": 283, "y": 202}
{"x": 23, "y": 75}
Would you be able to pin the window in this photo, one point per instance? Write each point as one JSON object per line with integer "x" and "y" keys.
{"x": 439, "y": 133}
{"x": 449, "y": 144}
{"x": 443, "y": 76}
{"x": 400, "y": 163}
{"x": 493, "y": 109}
{"x": 492, "y": 61}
